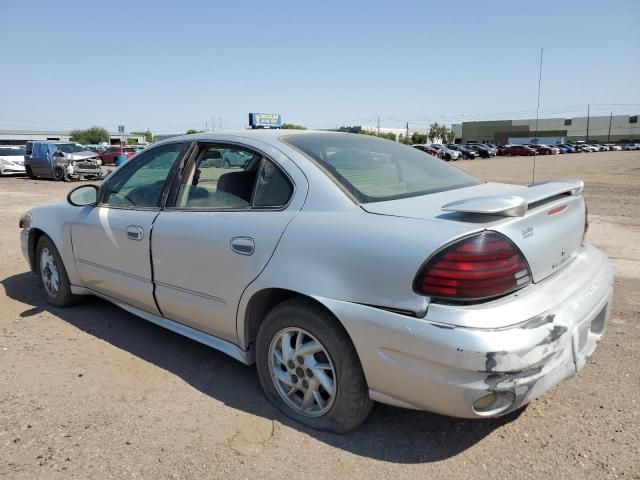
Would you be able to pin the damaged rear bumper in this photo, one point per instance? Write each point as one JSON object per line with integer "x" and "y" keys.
{"x": 442, "y": 364}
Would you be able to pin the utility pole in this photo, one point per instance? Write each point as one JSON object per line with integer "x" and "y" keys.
{"x": 539, "y": 85}
{"x": 588, "y": 113}
{"x": 407, "y": 136}
{"x": 220, "y": 123}
{"x": 533, "y": 172}
{"x": 213, "y": 124}
{"x": 609, "y": 134}
{"x": 378, "y": 126}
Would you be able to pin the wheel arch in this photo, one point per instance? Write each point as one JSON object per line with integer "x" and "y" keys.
{"x": 263, "y": 301}
{"x": 34, "y": 236}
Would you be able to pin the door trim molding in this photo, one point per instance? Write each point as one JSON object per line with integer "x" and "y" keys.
{"x": 245, "y": 356}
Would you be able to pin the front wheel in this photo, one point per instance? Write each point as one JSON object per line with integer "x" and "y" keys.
{"x": 58, "y": 174}
{"x": 30, "y": 173}
{"x": 53, "y": 276}
{"x": 309, "y": 368}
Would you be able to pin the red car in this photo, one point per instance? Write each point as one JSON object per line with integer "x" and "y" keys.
{"x": 427, "y": 149}
{"x": 512, "y": 150}
{"x": 544, "y": 149}
{"x": 110, "y": 156}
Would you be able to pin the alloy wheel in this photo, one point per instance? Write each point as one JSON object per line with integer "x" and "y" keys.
{"x": 302, "y": 372}
{"x": 49, "y": 272}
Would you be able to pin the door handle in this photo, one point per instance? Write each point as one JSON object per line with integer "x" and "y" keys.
{"x": 135, "y": 232}
{"x": 243, "y": 245}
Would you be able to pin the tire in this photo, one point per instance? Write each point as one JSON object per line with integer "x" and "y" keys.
{"x": 30, "y": 173}
{"x": 349, "y": 404}
{"x": 227, "y": 164}
{"x": 63, "y": 296}
{"x": 58, "y": 174}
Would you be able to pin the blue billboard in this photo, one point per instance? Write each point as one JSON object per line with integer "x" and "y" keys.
{"x": 265, "y": 120}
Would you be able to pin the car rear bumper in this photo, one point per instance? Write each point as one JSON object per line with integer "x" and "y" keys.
{"x": 434, "y": 363}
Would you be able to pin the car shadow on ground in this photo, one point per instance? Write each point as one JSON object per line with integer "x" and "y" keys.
{"x": 390, "y": 434}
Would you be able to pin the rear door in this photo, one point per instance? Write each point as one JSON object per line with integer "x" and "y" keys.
{"x": 220, "y": 232}
{"x": 111, "y": 241}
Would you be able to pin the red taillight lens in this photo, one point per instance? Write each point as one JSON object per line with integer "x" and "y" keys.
{"x": 483, "y": 266}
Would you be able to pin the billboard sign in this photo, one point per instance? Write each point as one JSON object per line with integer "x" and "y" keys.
{"x": 265, "y": 120}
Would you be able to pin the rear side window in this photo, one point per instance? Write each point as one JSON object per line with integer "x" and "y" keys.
{"x": 28, "y": 148}
{"x": 374, "y": 169}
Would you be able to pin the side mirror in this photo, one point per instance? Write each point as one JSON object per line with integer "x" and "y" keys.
{"x": 83, "y": 196}
{"x": 58, "y": 154}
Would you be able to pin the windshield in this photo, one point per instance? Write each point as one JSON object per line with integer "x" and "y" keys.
{"x": 70, "y": 147}
{"x": 374, "y": 169}
{"x": 11, "y": 152}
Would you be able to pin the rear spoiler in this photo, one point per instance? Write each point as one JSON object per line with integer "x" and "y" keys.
{"x": 517, "y": 202}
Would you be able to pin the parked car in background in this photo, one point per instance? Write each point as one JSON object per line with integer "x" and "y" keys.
{"x": 438, "y": 291}
{"x": 631, "y": 146}
{"x": 480, "y": 150}
{"x": 493, "y": 151}
{"x": 60, "y": 161}
{"x": 11, "y": 160}
{"x": 566, "y": 148}
{"x": 542, "y": 149}
{"x": 614, "y": 148}
{"x": 584, "y": 148}
{"x": 111, "y": 154}
{"x": 517, "y": 150}
{"x": 467, "y": 153}
{"x": 427, "y": 149}
{"x": 446, "y": 153}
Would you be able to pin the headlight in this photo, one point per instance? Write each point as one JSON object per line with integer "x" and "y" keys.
{"x": 25, "y": 221}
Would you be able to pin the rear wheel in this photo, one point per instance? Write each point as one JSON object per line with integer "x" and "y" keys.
{"x": 309, "y": 369}
{"x": 53, "y": 276}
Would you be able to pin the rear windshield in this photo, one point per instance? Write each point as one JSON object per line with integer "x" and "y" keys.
{"x": 374, "y": 169}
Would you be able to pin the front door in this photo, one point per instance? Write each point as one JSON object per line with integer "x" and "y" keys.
{"x": 111, "y": 241}
{"x": 229, "y": 212}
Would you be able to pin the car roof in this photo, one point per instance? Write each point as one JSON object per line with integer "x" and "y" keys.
{"x": 270, "y": 136}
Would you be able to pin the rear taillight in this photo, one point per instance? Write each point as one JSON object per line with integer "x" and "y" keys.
{"x": 479, "y": 267}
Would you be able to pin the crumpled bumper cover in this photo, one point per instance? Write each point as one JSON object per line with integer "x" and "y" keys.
{"x": 445, "y": 368}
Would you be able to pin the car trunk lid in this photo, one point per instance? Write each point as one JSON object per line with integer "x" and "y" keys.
{"x": 545, "y": 220}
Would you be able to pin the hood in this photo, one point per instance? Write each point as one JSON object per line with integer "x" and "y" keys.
{"x": 17, "y": 159}
{"x": 87, "y": 154}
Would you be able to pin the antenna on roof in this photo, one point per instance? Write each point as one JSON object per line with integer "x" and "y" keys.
{"x": 533, "y": 173}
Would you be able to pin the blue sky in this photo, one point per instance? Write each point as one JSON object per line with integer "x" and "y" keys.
{"x": 77, "y": 63}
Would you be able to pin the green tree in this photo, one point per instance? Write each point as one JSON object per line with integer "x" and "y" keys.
{"x": 435, "y": 129}
{"x": 93, "y": 135}
{"x": 148, "y": 136}
{"x": 447, "y": 134}
{"x": 417, "y": 137}
{"x": 292, "y": 126}
{"x": 193, "y": 130}
{"x": 387, "y": 135}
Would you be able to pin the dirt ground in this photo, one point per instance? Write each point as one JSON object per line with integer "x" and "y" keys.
{"x": 94, "y": 392}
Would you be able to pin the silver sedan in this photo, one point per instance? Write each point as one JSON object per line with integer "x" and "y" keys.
{"x": 349, "y": 268}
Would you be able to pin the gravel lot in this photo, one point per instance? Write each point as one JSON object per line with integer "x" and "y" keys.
{"x": 94, "y": 392}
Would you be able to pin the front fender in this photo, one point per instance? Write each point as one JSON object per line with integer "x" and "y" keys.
{"x": 54, "y": 220}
